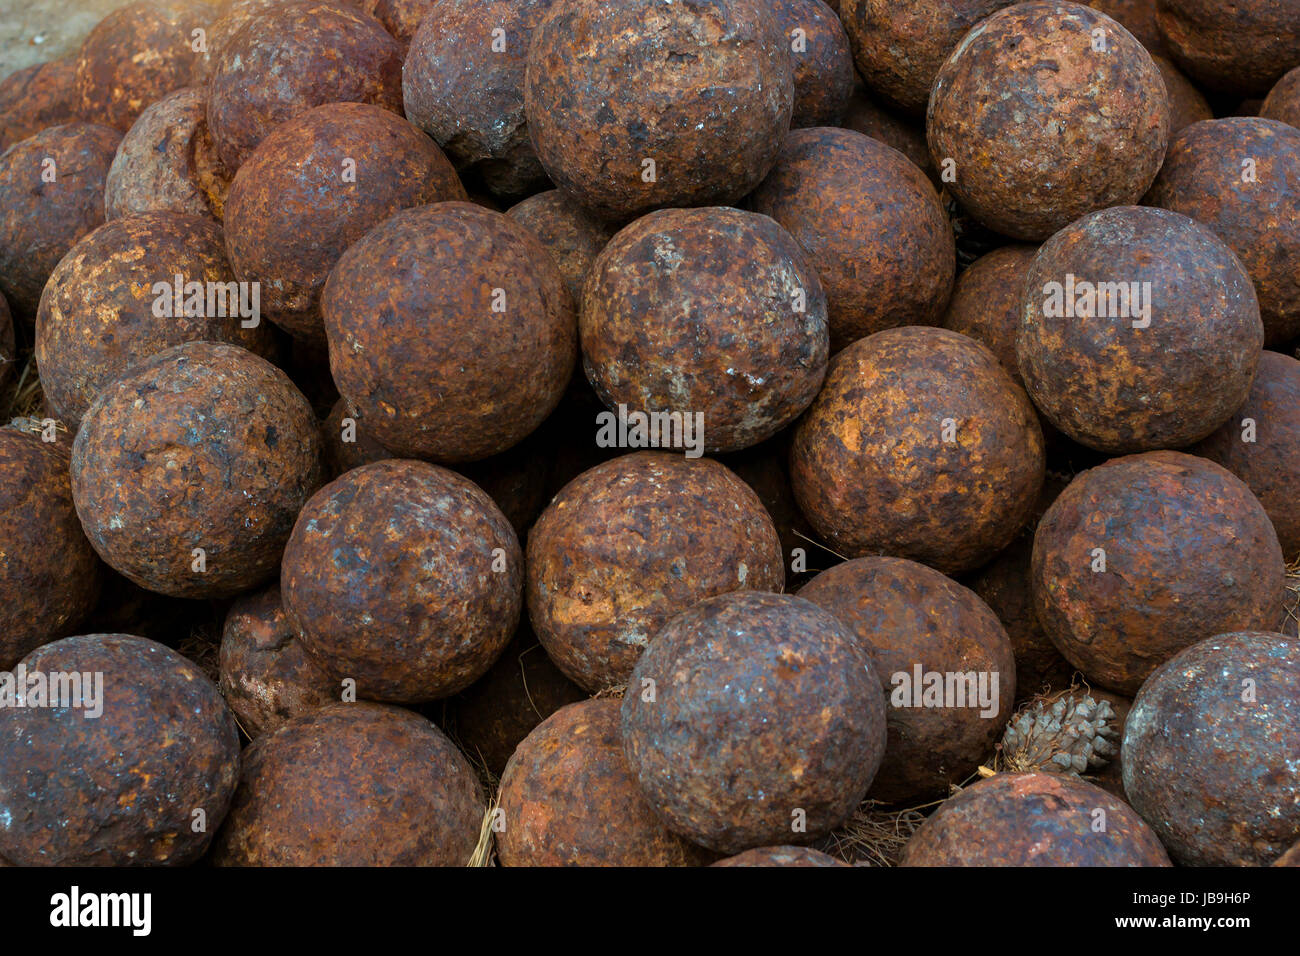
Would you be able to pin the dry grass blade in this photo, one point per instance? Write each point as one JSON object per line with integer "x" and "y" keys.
{"x": 875, "y": 836}
{"x": 485, "y": 852}
{"x": 1290, "y": 623}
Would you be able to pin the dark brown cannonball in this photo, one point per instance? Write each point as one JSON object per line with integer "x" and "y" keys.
{"x": 111, "y": 303}
{"x": 466, "y": 346}
{"x": 232, "y": 18}
{"x": 822, "y": 60}
{"x": 987, "y": 299}
{"x": 1187, "y": 105}
{"x": 1260, "y": 444}
{"x": 919, "y": 446}
{"x": 1243, "y": 50}
{"x": 51, "y": 194}
{"x": 37, "y": 97}
{"x": 914, "y": 622}
{"x": 316, "y": 185}
{"x": 781, "y": 856}
{"x": 709, "y": 311}
{"x": 1290, "y": 858}
{"x": 636, "y": 104}
{"x": 625, "y": 546}
{"x": 1240, "y": 177}
{"x": 353, "y": 785}
{"x": 569, "y": 799}
{"x": 1138, "y": 17}
{"x": 1032, "y": 148}
{"x": 1139, "y": 330}
{"x": 899, "y": 45}
{"x": 189, "y": 471}
{"x": 401, "y": 18}
{"x": 138, "y": 772}
{"x": 267, "y": 677}
{"x": 1210, "y": 750}
{"x": 1281, "y": 104}
{"x": 49, "y": 573}
{"x": 405, "y": 578}
{"x": 1187, "y": 550}
{"x": 865, "y": 117}
{"x": 570, "y": 234}
{"x": 753, "y": 719}
{"x": 871, "y": 225}
{"x": 346, "y": 444}
{"x": 1034, "y": 819}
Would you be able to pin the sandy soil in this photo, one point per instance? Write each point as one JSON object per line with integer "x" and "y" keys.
{"x": 32, "y": 31}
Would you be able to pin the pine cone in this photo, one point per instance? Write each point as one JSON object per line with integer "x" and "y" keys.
{"x": 1071, "y": 733}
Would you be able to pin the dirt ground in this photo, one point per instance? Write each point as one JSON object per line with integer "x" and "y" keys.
{"x": 32, "y": 31}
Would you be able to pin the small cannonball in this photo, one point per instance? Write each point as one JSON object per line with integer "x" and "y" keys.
{"x": 625, "y": 546}
{"x": 103, "y": 311}
{"x": 36, "y": 97}
{"x": 1281, "y": 104}
{"x": 292, "y": 57}
{"x": 822, "y": 60}
{"x": 710, "y": 311}
{"x": 637, "y": 104}
{"x": 568, "y": 799}
{"x": 353, "y": 785}
{"x": 920, "y": 446}
{"x": 891, "y": 607}
{"x": 1139, "y": 330}
{"x": 1238, "y": 177}
{"x": 401, "y": 18}
{"x": 314, "y": 186}
{"x": 233, "y": 17}
{"x": 1034, "y": 819}
{"x": 1243, "y": 49}
{"x": 465, "y": 348}
{"x": 570, "y": 234}
{"x": 1031, "y": 148}
{"x": 1145, "y": 555}
{"x": 1210, "y": 748}
{"x": 781, "y": 856}
{"x": 49, "y": 573}
{"x": 346, "y": 444}
{"x": 1187, "y": 105}
{"x": 51, "y": 194}
{"x": 871, "y": 225}
{"x": 405, "y": 578}
{"x": 987, "y": 299}
{"x": 1138, "y": 17}
{"x": 121, "y": 776}
{"x": 189, "y": 471}
{"x": 865, "y": 117}
{"x": 267, "y": 677}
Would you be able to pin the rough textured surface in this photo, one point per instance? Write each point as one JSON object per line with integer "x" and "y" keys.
{"x": 632, "y": 542}
{"x": 233, "y": 17}
{"x": 1281, "y": 104}
{"x": 704, "y": 91}
{"x": 778, "y": 710}
{"x": 869, "y": 119}
{"x": 401, "y": 18}
{"x": 201, "y": 446}
{"x": 781, "y": 856}
{"x": 1189, "y": 551}
{"x": 1138, "y": 17}
{"x": 45, "y": 209}
{"x": 1097, "y": 371}
{"x": 568, "y": 799}
{"x": 33, "y": 98}
{"x": 713, "y": 311}
{"x": 919, "y": 446}
{"x": 1290, "y": 858}
{"x": 346, "y": 444}
{"x": 822, "y": 60}
{"x": 1034, "y": 819}
{"x": 1240, "y": 177}
{"x": 1036, "y": 147}
{"x": 1186, "y": 104}
{"x": 987, "y": 300}
{"x": 99, "y": 318}
{"x": 48, "y": 572}
{"x": 128, "y": 782}
{"x": 1241, "y": 50}
{"x": 405, "y": 578}
{"x": 353, "y": 785}
{"x": 8, "y": 344}
{"x": 871, "y": 225}
{"x": 907, "y": 617}
{"x": 1210, "y": 746}
{"x": 469, "y": 344}
{"x": 570, "y": 234}
{"x": 293, "y": 209}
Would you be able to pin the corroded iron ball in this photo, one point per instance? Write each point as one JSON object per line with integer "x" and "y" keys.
{"x": 1240, "y": 48}
{"x": 570, "y": 234}
{"x": 823, "y": 62}
{"x": 37, "y": 97}
{"x": 1281, "y": 104}
{"x": 987, "y": 299}
{"x": 781, "y": 856}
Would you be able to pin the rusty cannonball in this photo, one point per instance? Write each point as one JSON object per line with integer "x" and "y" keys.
{"x": 781, "y": 856}
{"x": 401, "y": 18}
{"x": 1238, "y": 177}
{"x": 1242, "y": 50}
{"x": 1281, "y": 104}
{"x": 1210, "y": 750}
{"x": 569, "y": 799}
{"x": 777, "y": 707}
{"x": 112, "y": 302}
{"x": 295, "y": 56}
{"x": 987, "y": 299}
{"x": 637, "y": 104}
{"x": 353, "y": 785}
{"x": 49, "y": 573}
{"x": 625, "y": 546}
{"x": 120, "y": 776}
{"x": 189, "y": 471}
{"x": 940, "y": 727}
{"x": 570, "y": 234}
{"x": 1187, "y": 105}
{"x": 709, "y": 312}
{"x": 466, "y": 346}
{"x": 1138, "y": 17}
{"x": 1034, "y": 819}
{"x": 870, "y": 119}
{"x": 405, "y": 578}
{"x": 1139, "y": 330}
{"x": 37, "y": 97}
{"x": 267, "y": 677}
{"x": 919, "y": 446}
{"x": 314, "y": 186}
{"x": 345, "y": 443}
{"x": 232, "y": 18}
{"x": 1032, "y": 149}
{"x": 51, "y": 194}
{"x": 822, "y": 60}
{"x": 1147, "y": 554}
{"x": 871, "y": 225}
